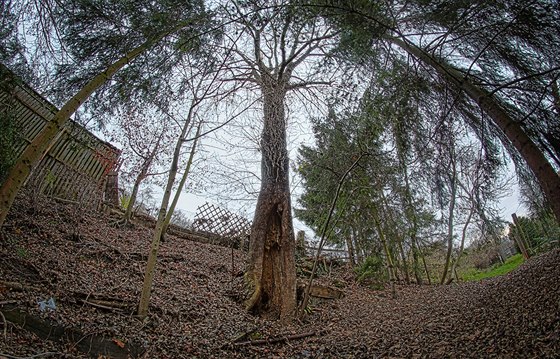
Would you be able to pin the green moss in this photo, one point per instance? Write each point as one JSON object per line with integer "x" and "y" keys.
{"x": 511, "y": 263}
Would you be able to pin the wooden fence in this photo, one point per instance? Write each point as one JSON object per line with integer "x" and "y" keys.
{"x": 77, "y": 164}
{"x": 340, "y": 254}
{"x": 219, "y": 221}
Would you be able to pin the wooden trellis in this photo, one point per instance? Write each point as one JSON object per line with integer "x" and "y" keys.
{"x": 216, "y": 220}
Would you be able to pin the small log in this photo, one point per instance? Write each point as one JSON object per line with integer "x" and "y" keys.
{"x": 243, "y": 336}
{"x": 90, "y": 344}
{"x": 19, "y": 287}
{"x": 322, "y": 291}
{"x": 103, "y": 302}
{"x": 111, "y": 304}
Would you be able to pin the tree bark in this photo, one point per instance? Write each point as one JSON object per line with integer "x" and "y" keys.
{"x": 350, "y": 246}
{"x": 128, "y": 213}
{"x": 271, "y": 272}
{"x": 156, "y": 239}
{"x": 141, "y": 176}
{"x": 450, "y": 219}
{"x": 426, "y": 268}
{"x": 546, "y": 175}
{"x": 521, "y": 237}
{"x": 462, "y": 245}
{"x": 182, "y": 183}
{"x": 415, "y": 263}
{"x": 158, "y": 230}
{"x": 358, "y": 251}
{"x": 398, "y": 238}
{"x": 390, "y": 264}
{"x": 411, "y": 216}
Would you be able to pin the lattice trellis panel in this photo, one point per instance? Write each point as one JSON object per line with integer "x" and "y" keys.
{"x": 216, "y": 220}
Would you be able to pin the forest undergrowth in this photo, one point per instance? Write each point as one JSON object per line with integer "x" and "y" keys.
{"x": 81, "y": 276}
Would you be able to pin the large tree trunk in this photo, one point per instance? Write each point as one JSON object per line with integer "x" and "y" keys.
{"x": 271, "y": 272}
{"x": 542, "y": 169}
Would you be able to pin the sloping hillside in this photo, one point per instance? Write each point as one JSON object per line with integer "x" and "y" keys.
{"x": 93, "y": 271}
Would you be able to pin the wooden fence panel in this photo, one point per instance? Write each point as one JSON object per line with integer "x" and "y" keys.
{"x": 76, "y": 164}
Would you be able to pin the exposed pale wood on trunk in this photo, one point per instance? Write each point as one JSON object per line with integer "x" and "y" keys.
{"x": 271, "y": 271}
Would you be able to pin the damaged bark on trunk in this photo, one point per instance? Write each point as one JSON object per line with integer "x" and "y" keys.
{"x": 271, "y": 273}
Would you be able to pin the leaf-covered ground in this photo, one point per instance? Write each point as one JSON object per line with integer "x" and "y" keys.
{"x": 94, "y": 273}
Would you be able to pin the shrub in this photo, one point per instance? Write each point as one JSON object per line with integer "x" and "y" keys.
{"x": 372, "y": 271}
{"x": 124, "y": 200}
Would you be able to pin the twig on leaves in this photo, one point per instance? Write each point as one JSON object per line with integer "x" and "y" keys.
{"x": 5, "y": 325}
{"x": 101, "y": 306}
{"x": 3, "y": 355}
{"x": 279, "y": 339}
{"x": 4, "y": 302}
{"x": 20, "y": 287}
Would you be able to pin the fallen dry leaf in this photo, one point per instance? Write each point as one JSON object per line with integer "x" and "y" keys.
{"x": 197, "y": 308}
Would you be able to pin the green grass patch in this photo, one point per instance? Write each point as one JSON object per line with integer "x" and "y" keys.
{"x": 510, "y": 264}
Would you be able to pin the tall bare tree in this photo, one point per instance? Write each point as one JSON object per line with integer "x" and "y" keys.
{"x": 275, "y": 55}
{"x": 201, "y": 84}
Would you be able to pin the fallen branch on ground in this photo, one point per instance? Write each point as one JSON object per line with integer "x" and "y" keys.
{"x": 100, "y": 301}
{"x": 101, "y": 306}
{"x": 8, "y": 356}
{"x": 5, "y": 325}
{"x": 243, "y": 336}
{"x": 278, "y": 339}
{"x": 17, "y": 286}
{"x": 4, "y": 302}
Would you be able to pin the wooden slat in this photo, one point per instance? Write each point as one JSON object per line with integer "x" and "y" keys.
{"x": 73, "y": 159}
